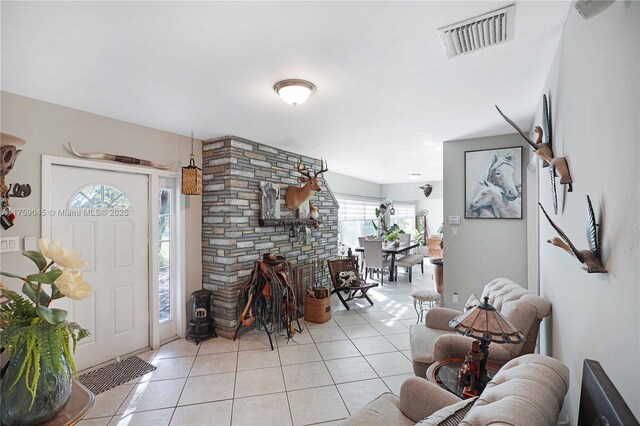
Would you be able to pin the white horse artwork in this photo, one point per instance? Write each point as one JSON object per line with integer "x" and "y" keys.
{"x": 493, "y": 183}
{"x": 492, "y": 201}
{"x": 501, "y": 173}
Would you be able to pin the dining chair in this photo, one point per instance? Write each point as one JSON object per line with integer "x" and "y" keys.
{"x": 361, "y": 241}
{"x": 375, "y": 259}
{"x": 404, "y": 238}
{"x": 408, "y": 258}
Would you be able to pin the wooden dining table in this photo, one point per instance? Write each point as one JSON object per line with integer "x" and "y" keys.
{"x": 393, "y": 251}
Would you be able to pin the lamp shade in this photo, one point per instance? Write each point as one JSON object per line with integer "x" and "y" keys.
{"x": 192, "y": 179}
{"x": 484, "y": 322}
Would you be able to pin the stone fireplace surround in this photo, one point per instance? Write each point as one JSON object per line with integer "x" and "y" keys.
{"x": 232, "y": 239}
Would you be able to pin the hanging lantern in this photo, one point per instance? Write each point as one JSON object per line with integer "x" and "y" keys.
{"x": 192, "y": 176}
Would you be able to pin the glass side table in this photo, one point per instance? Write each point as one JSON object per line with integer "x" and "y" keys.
{"x": 445, "y": 374}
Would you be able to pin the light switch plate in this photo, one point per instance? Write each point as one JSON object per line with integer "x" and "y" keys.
{"x": 454, "y": 220}
{"x": 9, "y": 244}
{"x": 30, "y": 244}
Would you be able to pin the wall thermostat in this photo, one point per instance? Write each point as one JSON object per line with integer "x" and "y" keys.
{"x": 454, "y": 220}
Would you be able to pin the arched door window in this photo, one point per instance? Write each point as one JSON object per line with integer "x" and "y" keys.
{"x": 100, "y": 196}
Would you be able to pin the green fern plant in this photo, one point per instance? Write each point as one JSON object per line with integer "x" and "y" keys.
{"x": 30, "y": 324}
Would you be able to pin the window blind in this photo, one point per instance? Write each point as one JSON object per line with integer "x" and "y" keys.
{"x": 404, "y": 210}
{"x": 356, "y": 209}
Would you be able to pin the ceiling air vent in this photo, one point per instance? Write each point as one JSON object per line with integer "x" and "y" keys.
{"x": 477, "y": 33}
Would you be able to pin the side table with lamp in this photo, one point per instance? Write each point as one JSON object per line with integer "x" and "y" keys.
{"x": 487, "y": 325}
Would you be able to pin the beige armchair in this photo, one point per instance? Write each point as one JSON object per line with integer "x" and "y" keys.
{"x": 435, "y": 341}
{"x": 530, "y": 387}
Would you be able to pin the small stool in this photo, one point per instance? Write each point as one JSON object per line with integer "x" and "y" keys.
{"x": 423, "y": 300}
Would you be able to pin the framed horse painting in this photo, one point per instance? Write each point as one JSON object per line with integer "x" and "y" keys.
{"x": 493, "y": 183}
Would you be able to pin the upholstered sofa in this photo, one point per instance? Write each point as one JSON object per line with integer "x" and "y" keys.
{"x": 435, "y": 340}
{"x": 528, "y": 390}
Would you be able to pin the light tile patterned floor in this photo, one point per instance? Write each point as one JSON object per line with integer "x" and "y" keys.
{"x": 329, "y": 372}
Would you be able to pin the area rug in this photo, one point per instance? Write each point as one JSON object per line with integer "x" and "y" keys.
{"x": 115, "y": 374}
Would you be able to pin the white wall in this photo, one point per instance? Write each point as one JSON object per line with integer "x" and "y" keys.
{"x": 346, "y": 185}
{"x": 595, "y": 90}
{"x": 485, "y": 248}
{"x": 411, "y": 193}
{"x": 47, "y": 126}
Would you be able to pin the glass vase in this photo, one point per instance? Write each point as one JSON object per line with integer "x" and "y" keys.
{"x": 53, "y": 391}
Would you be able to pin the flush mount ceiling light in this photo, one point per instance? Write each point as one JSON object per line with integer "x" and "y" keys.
{"x": 414, "y": 176}
{"x": 294, "y": 91}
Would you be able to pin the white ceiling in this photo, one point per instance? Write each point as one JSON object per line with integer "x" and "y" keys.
{"x": 386, "y": 94}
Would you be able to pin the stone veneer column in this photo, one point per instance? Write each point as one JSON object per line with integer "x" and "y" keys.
{"x": 232, "y": 239}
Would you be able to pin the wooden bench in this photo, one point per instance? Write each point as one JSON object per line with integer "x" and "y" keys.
{"x": 409, "y": 261}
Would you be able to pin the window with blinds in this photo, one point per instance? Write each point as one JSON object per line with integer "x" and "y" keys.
{"x": 356, "y": 209}
{"x": 405, "y": 217}
{"x": 355, "y": 219}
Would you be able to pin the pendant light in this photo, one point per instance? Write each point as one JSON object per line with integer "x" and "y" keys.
{"x": 192, "y": 176}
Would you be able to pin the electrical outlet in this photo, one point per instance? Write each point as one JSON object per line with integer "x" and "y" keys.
{"x": 454, "y": 231}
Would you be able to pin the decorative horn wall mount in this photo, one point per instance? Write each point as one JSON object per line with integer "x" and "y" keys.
{"x": 591, "y": 259}
{"x": 121, "y": 159}
{"x": 9, "y": 153}
{"x": 544, "y": 150}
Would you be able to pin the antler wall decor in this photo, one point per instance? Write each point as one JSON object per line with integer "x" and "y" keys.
{"x": 556, "y": 165}
{"x": 298, "y": 195}
{"x": 121, "y": 159}
{"x": 591, "y": 260}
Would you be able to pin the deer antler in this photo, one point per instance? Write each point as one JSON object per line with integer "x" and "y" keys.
{"x": 302, "y": 169}
{"x": 324, "y": 168}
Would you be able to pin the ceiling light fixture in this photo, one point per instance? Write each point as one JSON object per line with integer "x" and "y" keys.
{"x": 414, "y": 176}
{"x": 294, "y": 91}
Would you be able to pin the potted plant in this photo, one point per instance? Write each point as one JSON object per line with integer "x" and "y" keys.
{"x": 380, "y": 215}
{"x": 37, "y": 383}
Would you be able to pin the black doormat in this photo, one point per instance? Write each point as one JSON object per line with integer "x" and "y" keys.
{"x": 115, "y": 374}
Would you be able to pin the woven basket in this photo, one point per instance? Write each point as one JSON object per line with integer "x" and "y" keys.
{"x": 317, "y": 310}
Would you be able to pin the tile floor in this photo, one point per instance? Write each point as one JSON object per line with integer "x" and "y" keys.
{"x": 328, "y": 373}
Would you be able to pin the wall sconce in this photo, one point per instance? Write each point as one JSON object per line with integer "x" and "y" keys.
{"x": 293, "y": 231}
{"x": 392, "y": 210}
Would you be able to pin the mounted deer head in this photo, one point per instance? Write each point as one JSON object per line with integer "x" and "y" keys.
{"x": 298, "y": 195}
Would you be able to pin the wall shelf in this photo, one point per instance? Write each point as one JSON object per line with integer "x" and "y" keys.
{"x": 286, "y": 222}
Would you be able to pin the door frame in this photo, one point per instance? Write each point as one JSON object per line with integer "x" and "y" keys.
{"x": 153, "y": 175}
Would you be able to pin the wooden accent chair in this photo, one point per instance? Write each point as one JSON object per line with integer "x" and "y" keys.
{"x": 355, "y": 291}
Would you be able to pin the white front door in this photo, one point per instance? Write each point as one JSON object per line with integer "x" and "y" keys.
{"x": 104, "y": 216}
